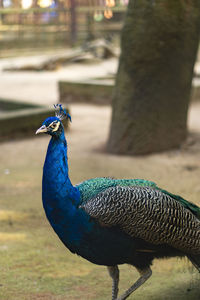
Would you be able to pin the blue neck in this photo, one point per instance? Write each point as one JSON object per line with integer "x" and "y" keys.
{"x": 60, "y": 197}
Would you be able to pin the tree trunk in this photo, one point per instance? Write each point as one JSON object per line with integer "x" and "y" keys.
{"x": 151, "y": 96}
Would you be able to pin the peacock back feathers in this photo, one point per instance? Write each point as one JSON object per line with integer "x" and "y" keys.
{"x": 147, "y": 213}
{"x": 91, "y": 187}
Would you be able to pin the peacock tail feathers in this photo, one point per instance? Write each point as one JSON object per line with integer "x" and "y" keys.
{"x": 195, "y": 259}
{"x": 189, "y": 205}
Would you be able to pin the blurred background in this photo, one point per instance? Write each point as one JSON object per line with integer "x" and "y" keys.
{"x": 68, "y": 51}
{"x": 47, "y": 47}
{"x": 48, "y": 23}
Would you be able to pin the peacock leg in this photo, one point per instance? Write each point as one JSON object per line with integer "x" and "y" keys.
{"x": 145, "y": 274}
{"x": 114, "y": 273}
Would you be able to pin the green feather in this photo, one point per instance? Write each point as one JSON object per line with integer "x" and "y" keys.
{"x": 90, "y": 188}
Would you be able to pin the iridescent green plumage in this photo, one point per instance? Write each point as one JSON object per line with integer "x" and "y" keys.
{"x": 90, "y": 188}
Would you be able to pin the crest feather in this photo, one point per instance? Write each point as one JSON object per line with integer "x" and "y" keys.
{"x": 61, "y": 113}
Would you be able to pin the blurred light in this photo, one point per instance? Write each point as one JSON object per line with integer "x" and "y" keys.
{"x": 110, "y": 3}
{"x": 47, "y": 16}
{"x": 7, "y": 3}
{"x": 45, "y": 3}
{"x": 124, "y": 2}
{"x": 26, "y": 3}
{"x": 98, "y": 16}
{"x": 108, "y": 13}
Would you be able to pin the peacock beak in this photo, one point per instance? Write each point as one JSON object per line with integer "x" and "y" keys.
{"x": 41, "y": 129}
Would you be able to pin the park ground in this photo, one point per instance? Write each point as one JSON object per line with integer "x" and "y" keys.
{"x": 34, "y": 265}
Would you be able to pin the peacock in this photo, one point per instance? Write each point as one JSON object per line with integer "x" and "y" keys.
{"x": 112, "y": 221}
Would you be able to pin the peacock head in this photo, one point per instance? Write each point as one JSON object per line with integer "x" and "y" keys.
{"x": 53, "y": 125}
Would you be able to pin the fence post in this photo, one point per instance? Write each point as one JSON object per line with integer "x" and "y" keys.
{"x": 73, "y": 29}
{"x": 1, "y": 15}
{"x": 90, "y": 27}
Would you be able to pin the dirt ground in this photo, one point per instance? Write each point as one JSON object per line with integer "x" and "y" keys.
{"x": 34, "y": 264}
{"x": 42, "y": 87}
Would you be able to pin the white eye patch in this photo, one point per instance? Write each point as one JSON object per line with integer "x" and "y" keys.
{"x": 54, "y": 126}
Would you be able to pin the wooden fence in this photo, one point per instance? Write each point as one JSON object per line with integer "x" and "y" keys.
{"x": 45, "y": 27}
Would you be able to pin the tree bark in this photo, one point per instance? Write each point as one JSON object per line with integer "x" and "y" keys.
{"x": 153, "y": 84}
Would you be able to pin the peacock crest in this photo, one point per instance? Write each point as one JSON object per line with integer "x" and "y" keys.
{"x": 61, "y": 113}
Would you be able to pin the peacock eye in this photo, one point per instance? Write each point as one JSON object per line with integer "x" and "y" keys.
{"x": 54, "y": 125}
